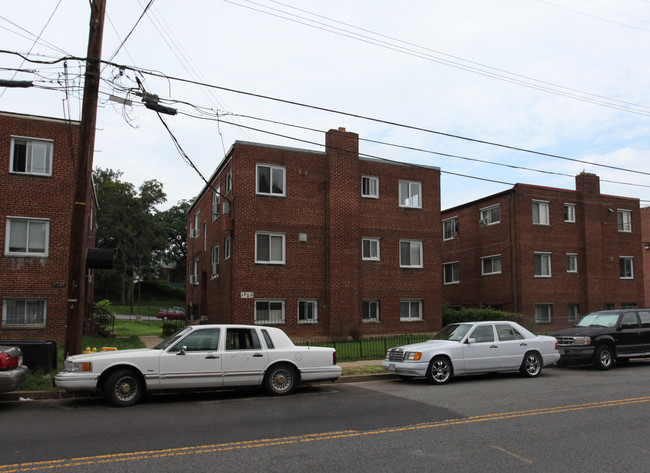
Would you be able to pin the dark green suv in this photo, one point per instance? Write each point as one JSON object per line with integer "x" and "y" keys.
{"x": 603, "y": 337}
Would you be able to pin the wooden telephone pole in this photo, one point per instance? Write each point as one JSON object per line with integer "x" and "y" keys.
{"x": 83, "y": 171}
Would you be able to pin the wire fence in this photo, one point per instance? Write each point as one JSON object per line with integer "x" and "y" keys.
{"x": 367, "y": 348}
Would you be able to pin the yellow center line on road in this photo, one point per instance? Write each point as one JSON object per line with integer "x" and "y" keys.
{"x": 224, "y": 447}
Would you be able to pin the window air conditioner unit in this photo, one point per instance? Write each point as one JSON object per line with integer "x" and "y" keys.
{"x": 215, "y": 270}
{"x": 194, "y": 233}
{"x": 226, "y": 208}
{"x": 215, "y": 208}
{"x": 194, "y": 279}
{"x": 483, "y": 222}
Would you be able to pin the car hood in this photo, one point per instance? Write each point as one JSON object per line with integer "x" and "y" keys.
{"x": 429, "y": 344}
{"x": 581, "y": 331}
{"x": 108, "y": 355}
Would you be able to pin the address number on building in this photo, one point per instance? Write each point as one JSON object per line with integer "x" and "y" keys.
{"x": 246, "y": 295}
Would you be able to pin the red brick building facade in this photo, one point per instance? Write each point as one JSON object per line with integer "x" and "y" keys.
{"x": 318, "y": 243}
{"x": 645, "y": 235}
{"x": 550, "y": 254}
{"x": 37, "y": 161}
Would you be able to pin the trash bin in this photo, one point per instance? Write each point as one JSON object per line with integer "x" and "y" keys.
{"x": 37, "y": 354}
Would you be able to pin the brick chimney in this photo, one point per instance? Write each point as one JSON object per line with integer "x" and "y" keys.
{"x": 587, "y": 183}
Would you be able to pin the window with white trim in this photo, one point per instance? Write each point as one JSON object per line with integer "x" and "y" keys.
{"x": 31, "y": 156}
{"x": 226, "y": 248}
{"x": 489, "y": 215}
{"x": 410, "y": 310}
{"x": 228, "y": 181}
{"x": 573, "y": 313}
{"x": 19, "y": 311}
{"x": 624, "y": 219}
{"x": 626, "y": 265}
{"x": 570, "y": 213}
{"x": 540, "y": 212}
{"x": 490, "y": 265}
{"x": 216, "y": 203}
{"x": 370, "y": 187}
{"x": 215, "y": 261}
{"x": 571, "y": 263}
{"x": 27, "y": 237}
{"x": 543, "y": 313}
{"x": 370, "y": 311}
{"x": 450, "y": 228}
{"x": 269, "y": 311}
{"x": 451, "y": 273}
{"x": 194, "y": 272}
{"x": 370, "y": 249}
{"x": 410, "y": 254}
{"x": 195, "y": 229}
{"x": 410, "y": 194}
{"x": 269, "y": 248}
{"x": 307, "y": 311}
{"x": 542, "y": 265}
{"x": 271, "y": 180}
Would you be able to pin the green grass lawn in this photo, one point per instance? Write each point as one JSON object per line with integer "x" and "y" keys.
{"x": 147, "y": 308}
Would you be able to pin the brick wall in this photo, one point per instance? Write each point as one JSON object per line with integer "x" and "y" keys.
{"x": 40, "y": 197}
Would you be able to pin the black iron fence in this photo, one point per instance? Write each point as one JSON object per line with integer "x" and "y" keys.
{"x": 368, "y": 348}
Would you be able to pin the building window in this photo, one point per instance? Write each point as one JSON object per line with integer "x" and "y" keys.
{"x": 624, "y": 218}
{"x": 540, "y": 213}
{"x": 410, "y": 310}
{"x": 31, "y": 156}
{"x": 215, "y": 261}
{"x": 24, "y": 312}
{"x": 571, "y": 263}
{"x": 626, "y": 264}
{"x": 410, "y": 194}
{"x": 370, "y": 249}
{"x": 216, "y": 203}
{"x": 491, "y": 265}
{"x": 542, "y": 265}
{"x": 27, "y": 237}
{"x": 271, "y": 180}
{"x": 205, "y": 236}
{"x": 370, "y": 311}
{"x": 410, "y": 254}
{"x": 543, "y": 313}
{"x": 574, "y": 313}
{"x": 228, "y": 181}
{"x": 194, "y": 272}
{"x": 450, "y": 228}
{"x": 269, "y": 248}
{"x": 570, "y": 213}
{"x": 370, "y": 187}
{"x": 269, "y": 312}
{"x": 226, "y": 248}
{"x": 451, "y": 273}
{"x": 307, "y": 311}
{"x": 195, "y": 230}
{"x": 490, "y": 215}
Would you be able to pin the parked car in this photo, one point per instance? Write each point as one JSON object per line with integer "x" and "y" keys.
{"x": 475, "y": 347}
{"x": 201, "y": 357}
{"x": 174, "y": 313}
{"x": 13, "y": 374}
{"x": 601, "y": 337}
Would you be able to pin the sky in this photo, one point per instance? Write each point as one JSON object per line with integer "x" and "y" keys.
{"x": 492, "y": 93}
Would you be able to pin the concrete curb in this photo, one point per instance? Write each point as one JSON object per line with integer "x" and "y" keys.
{"x": 60, "y": 394}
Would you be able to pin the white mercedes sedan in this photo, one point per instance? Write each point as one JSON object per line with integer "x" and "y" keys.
{"x": 475, "y": 347}
{"x": 201, "y": 357}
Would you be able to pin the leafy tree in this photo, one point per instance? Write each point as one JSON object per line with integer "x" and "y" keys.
{"x": 129, "y": 223}
{"x": 174, "y": 226}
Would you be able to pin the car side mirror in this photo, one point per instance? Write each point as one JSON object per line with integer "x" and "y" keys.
{"x": 182, "y": 350}
{"x": 471, "y": 340}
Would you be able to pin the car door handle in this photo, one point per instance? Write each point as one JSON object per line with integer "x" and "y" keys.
{"x": 494, "y": 346}
{"x": 211, "y": 357}
{"x": 523, "y": 344}
{"x": 258, "y": 355}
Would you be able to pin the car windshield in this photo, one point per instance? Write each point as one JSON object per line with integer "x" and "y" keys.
{"x": 173, "y": 339}
{"x": 453, "y": 332}
{"x": 599, "y": 320}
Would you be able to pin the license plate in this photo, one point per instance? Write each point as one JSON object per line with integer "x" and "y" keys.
{"x": 391, "y": 366}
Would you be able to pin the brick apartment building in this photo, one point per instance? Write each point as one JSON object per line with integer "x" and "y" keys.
{"x": 645, "y": 235}
{"x": 37, "y": 161}
{"x": 318, "y": 243}
{"x": 550, "y": 254}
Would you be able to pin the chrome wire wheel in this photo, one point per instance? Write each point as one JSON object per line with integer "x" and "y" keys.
{"x": 532, "y": 365}
{"x": 280, "y": 380}
{"x": 126, "y": 388}
{"x": 439, "y": 371}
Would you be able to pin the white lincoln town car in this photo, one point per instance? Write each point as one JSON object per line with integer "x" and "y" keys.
{"x": 475, "y": 347}
{"x": 201, "y": 357}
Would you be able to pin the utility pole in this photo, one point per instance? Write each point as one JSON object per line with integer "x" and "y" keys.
{"x": 79, "y": 224}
